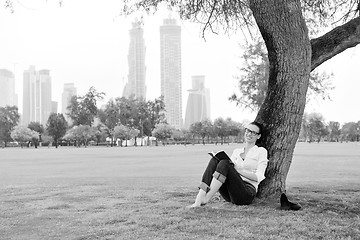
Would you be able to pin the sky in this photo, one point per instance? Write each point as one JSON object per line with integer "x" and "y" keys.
{"x": 86, "y": 43}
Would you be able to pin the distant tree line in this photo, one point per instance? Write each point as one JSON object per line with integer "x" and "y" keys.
{"x": 315, "y": 129}
{"x": 122, "y": 119}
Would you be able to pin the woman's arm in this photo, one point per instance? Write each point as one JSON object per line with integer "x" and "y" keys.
{"x": 262, "y": 164}
{"x": 258, "y": 174}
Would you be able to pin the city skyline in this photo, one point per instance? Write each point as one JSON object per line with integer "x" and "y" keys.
{"x": 69, "y": 91}
{"x": 136, "y": 82}
{"x": 37, "y": 99}
{"x": 198, "y": 106}
{"x": 7, "y": 90}
{"x": 97, "y": 56}
{"x": 171, "y": 71}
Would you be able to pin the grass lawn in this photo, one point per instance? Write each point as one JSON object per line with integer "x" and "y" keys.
{"x": 141, "y": 193}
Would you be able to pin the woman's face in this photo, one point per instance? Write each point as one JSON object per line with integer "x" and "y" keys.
{"x": 252, "y": 133}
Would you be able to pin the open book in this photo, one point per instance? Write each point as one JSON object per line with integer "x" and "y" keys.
{"x": 220, "y": 155}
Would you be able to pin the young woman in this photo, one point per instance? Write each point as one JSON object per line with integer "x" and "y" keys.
{"x": 237, "y": 179}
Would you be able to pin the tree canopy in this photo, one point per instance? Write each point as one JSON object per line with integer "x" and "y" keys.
{"x": 83, "y": 109}
{"x": 9, "y": 118}
{"x": 132, "y": 113}
{"x": 56, "y": 126}
{"x": 253, "y": 79}
{"x": 37, "y": 127}
{"x": 23, "y": 134}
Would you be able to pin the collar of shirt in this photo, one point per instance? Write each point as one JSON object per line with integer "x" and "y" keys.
{"x": 243, "y": 149}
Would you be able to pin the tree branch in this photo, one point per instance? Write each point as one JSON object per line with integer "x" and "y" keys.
{"x": 208, "y": 22}
{"x": 334, "y": 42}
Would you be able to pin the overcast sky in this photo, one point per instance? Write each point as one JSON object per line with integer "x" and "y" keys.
{"x": 86, "y": 42}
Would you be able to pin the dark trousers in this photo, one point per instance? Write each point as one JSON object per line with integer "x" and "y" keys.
{"x": 233, "y": 189}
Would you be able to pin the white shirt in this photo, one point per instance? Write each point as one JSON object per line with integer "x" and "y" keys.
{"x": 255, "y": 161}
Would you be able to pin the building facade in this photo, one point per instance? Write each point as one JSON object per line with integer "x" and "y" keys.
{"x": 170, "y": 71}
{"x": 54, "y": 107}
{"x": 136, "y": 59}
{"x": 198, "y": 103}
{"x": 8, "y": 96}
{"x": 68, "y": 92}
{"x": 37, "y": 104}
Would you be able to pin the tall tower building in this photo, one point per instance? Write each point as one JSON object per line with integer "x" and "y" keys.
{"x": 68, "y": 92}
{"x": 170, "y": 69}
{"x": 37, "y": 104}
{"x": 198, "y": 104}
{"x": 136, "y": 60}
{"x": 7, "y": 88}
{"x": 54, "y": 107}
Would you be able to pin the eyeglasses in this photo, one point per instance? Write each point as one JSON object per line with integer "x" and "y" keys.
{"x": 251, "y": 132}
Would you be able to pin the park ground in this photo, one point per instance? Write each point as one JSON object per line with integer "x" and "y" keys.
{"x": 141, "y": 193}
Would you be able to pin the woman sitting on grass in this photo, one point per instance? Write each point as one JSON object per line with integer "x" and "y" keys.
{"x": 236, "y": 179}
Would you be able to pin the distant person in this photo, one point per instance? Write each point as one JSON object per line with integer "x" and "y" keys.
{"x": 236, "y": 178}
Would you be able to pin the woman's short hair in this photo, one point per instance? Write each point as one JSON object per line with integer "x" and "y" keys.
{"x": 259, "y": 125}
{"x": 259, "y": 142}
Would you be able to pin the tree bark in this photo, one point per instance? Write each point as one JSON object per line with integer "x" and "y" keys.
{"x": 284, "y": 31}
{"x": 334, "y": 42}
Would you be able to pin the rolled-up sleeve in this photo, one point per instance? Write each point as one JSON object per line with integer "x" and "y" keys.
{"x": 262, "y": 164}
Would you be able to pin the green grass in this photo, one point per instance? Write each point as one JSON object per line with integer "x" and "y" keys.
{"x": 141, "y": 193}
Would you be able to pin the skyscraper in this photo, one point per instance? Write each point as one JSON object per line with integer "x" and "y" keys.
{"x": 198, "y": 104}
{"x": 170, "y": 70}
{"x": 37, "y": 104}
{"x": 7, "y": 89}
{"x": 54, "y": 106}
{"x": 136, "y": 60}
{"x": 68, "y": 92}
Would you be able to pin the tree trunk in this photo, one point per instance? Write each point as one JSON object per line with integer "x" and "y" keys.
{"x": 289, "y": 50}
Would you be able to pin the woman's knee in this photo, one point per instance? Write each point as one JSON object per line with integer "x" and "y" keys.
{"x": 223, "y": 167}
{"x": 224, "y": 164}
{"x": 213, "y": 162}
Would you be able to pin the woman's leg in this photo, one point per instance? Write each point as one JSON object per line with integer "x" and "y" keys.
{"x": 205, "y": 182}
{"x": 218, "y": 181}
{"x": 235, "y": 190}
{"x": 220, "y": 175}
{"x": 214, "y": 187}
{"x": 208, "y": 174}
{"x": 229, "y": 183}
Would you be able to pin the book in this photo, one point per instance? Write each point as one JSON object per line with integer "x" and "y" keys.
{"x": 220, "y": 155}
